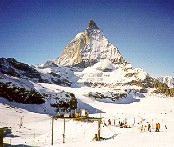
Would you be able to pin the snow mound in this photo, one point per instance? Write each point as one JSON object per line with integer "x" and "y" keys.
{"x": 108, "y": 73}
{"x": 104, "y": 65}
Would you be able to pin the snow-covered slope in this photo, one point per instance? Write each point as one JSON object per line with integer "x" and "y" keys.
{"x": 13, "y": 68}
{"x": 89, "y": 47}
{"x": 21, "y": 91}
{"x": 34, "y": 129}
{"x": 106, "y": 72}
{"x": 20, "y": 83}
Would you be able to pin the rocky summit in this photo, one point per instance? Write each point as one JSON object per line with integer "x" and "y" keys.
{"x": 88, "y": 48}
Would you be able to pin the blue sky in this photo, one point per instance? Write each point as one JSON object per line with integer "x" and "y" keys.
{"x": 33, "y": 31}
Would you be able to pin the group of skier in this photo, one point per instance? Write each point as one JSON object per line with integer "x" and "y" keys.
{"x": 143, "y": 128}
{"x": 157, "y": 128}
{"x": 122, "y": 124}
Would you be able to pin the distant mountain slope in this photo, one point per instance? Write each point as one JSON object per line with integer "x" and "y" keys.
{"x": 19, "y": 83}
{"x": 17, "y": 69}
{"x": 113, "y": 74}
{"x": 168, "y": 80}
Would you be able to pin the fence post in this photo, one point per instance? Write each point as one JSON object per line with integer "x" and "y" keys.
{"x": 99, "y": 123}
{"x": 1, "y": 136}
{"x": 52, "y": 130}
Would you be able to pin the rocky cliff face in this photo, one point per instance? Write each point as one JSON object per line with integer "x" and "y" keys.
{"x": 88, "y": 48}
{"x": 72, "y": 54}
{"x": 168, "y": 80}
{"x": 13, "y": 68}
{"x": 21, "y": 83}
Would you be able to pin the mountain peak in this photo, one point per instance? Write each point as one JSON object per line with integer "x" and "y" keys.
{"x": 92, "y": 25}
{"x": 88, "y": 48}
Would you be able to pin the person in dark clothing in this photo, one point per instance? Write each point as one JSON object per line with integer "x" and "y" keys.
{"x": 149, "y": 127}
{"x": 109, "y": 122}
{"x": 156, "y": 128}
{"x": 166, "y": 127}
{"x": 121, "y": 124}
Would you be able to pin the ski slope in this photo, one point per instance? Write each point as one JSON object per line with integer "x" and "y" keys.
{"x": 34, "y": 129}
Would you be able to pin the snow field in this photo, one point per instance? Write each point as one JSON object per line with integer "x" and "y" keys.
{"x": 36, "y": 127}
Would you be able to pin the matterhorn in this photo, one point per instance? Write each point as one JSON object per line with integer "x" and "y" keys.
{"x": 101, "y": 63}
{"x": 88, "y": 48}
{"x": 96, "y": 62}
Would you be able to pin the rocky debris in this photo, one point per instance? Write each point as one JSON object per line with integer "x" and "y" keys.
{"x": 12, "y": 67}
{"x": 169, "y": 80}
{"x": 20, "y": 95}
{"x": 111, "y": 95}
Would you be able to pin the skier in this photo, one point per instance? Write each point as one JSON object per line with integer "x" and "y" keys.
{"x": 109, "y": 122}
{"x": 158, "y": 127}
{"x": 166, "y": 127}
{"x": 21, "y": 123}
{"x": 142, "y": 128}
{"x": 104, "y": 124}
{"x": 121, "y": 124}
{"x": 149, "y": 127}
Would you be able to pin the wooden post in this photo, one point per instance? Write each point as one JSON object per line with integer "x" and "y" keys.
{"x": 52, "y": 130}
{"x": 1, "y": 136}
{"x": 75, "y": 112}
{"x": 64, "y": 131}
{"x": 99, "y": 123}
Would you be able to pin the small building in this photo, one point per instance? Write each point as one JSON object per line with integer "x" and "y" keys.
{"x": 67, "y": 115}
{"x": 83, "y": 112}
